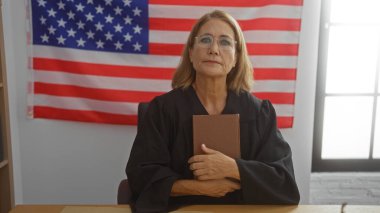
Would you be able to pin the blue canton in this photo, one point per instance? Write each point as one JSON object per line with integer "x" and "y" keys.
{"x": 101, "y": 25}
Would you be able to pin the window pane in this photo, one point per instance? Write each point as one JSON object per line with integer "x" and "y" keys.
{"x": 376, "y": 142}
{"x": 352, "y": 59}
{"x": 347, "y": 127}
{"x": 354, "y": 11}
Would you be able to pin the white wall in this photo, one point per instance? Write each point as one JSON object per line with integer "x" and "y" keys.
{"x": 69, "y": 162}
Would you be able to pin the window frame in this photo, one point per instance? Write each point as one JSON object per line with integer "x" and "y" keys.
{"x": 337, "y": 165}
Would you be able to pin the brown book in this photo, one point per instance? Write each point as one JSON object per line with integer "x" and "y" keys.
{"x": 218, "y": 132}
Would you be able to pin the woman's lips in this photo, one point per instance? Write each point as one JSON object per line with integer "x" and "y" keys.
{"x": 211, "y": 61}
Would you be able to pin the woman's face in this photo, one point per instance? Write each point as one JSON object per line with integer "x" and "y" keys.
{"x": 213, "y": 53}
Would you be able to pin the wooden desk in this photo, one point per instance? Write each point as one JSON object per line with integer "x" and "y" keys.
{"x": 208, "y": 208}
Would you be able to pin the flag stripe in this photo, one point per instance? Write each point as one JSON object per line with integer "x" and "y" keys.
{"x": 171, "y": 24}
{"x": 276, "y": 98}
{"x": 227, "y": 3}
{"x": 124, "y": 108}
{"x": 274, "y": 86}
{"x": 102, "y": 69}
{"x": 239, "y": 13}
{"x": 147, "y": 61}
{"x": 94, "y": 93}
{"x": 101, "y": 117}
{"x": 105, "y": 82}
{"x": 274, "y": 74}
{"x": 251, "y": 36}
{"x": 253, "y": 49}
{"x": 83, "y": 115}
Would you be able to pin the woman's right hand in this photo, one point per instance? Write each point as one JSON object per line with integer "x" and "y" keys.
{"x": 217, "y": 187}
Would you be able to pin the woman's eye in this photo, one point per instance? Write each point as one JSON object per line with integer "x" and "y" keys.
{"x": 206, "y": 40}
{"x": 225, "y": 42}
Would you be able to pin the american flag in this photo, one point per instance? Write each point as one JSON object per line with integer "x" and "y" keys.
{"x": 95, "y": 60}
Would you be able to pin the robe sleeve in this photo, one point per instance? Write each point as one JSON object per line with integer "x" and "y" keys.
{"x": 267, "y": 176}
{"x": 148, "y": 167}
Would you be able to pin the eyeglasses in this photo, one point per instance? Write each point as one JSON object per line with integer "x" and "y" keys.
{"x": 224, "y": 43}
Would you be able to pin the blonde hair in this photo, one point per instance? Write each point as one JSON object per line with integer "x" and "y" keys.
{"x": 240, "y": 76}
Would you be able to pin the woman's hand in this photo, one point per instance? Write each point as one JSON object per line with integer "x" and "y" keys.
{"x": 217, "y": 188}
{"x": 213, "y": 165}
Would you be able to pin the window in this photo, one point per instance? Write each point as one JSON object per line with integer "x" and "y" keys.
{"x": 347, "y": 115}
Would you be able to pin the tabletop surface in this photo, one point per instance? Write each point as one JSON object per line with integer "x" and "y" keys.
{"x": 199, "y": 208}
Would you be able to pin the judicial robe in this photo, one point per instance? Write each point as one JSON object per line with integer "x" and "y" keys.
{"x": 164, "y": 144}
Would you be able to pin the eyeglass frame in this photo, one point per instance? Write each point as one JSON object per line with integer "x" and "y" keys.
{"x": 233, "y": 46}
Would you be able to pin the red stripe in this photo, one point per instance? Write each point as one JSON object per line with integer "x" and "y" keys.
{"x": 274, "y": 74}
{"x": 276, "y": 97}
{"x": 272, "y": 49}
{"x": 169, "y": 24}
{"x": 94, "y": 93}
{"x": 83, "y": 116}
{"x": 166, "y": 49}
{"x": 44, "y": 64}
{"x": 227, "y": 3}
{"x": 285, "y": 122}
{"x": 271, "y": 24}
{"x": 253, "y": 49}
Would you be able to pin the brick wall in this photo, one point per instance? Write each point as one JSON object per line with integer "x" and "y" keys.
{"x": 337, "y": 188}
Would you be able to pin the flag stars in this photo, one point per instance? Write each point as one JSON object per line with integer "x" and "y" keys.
{"x": 51, "y": 29}
{"x": 80, "y": 25}
{"x": 136, "y": 11}
{"x": 99, "y": 26}
{"x": 90, "y": 34}
{"x": 127, "y": 3}
{"x": 71, "y": 15}
{"x": 90, "y": 2}
{"x": 127, "y": 37}
{"x": 61, "y": 5}
{"x": 71, "y": 32}
{"x": 99, "y": 9}
{"x": 61, "y": 40}
{"x": 100, "y": 44}
{"x": 80, "y": 42}
{"x": 137, "y": 29}
{"x": 128, "y": 20}
{"x": 108, "y": 36}
{"x": 89, "y": 17}
{"x": 118, "y": 10}
{"x": 79, "y": 7}
{"x": 108, "y": 2}
{"x": 41, "y": 3}
{"x": 118, "y": 28}
{"x": 51, "y": 12}
{"x": 109, "y": 18}
{"x": 45, "y": 38}
{"x": 43, "y": 20}
{"x": 61, "y": 23}
{"x": 118, "y": 45}
{"x": 137, "y": 46}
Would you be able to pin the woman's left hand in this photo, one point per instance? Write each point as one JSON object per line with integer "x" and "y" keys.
{"x": 213, "y": 165}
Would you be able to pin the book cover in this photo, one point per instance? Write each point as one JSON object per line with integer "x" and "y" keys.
{"x": 218, "y": 132}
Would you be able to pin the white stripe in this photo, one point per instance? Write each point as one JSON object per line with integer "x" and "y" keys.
{"x": 239, "y": 13}
{"x": 251, "y": 36}
{"x": 141, "y": 60}
{"x": 274, "y": 86}
{"x": 144, "y": 60}
{"x": 274, "y": 37}
{"x": 102, "y": 82}
{"x": 289, "y": 62}
{"x": 284, "y": 109}
{"x": 124, "y": 108}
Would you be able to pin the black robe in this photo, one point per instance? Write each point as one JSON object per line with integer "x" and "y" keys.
{"x": 164, "y": 144}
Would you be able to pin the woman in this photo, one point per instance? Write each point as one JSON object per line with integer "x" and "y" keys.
{"x": 213, "y": 77}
